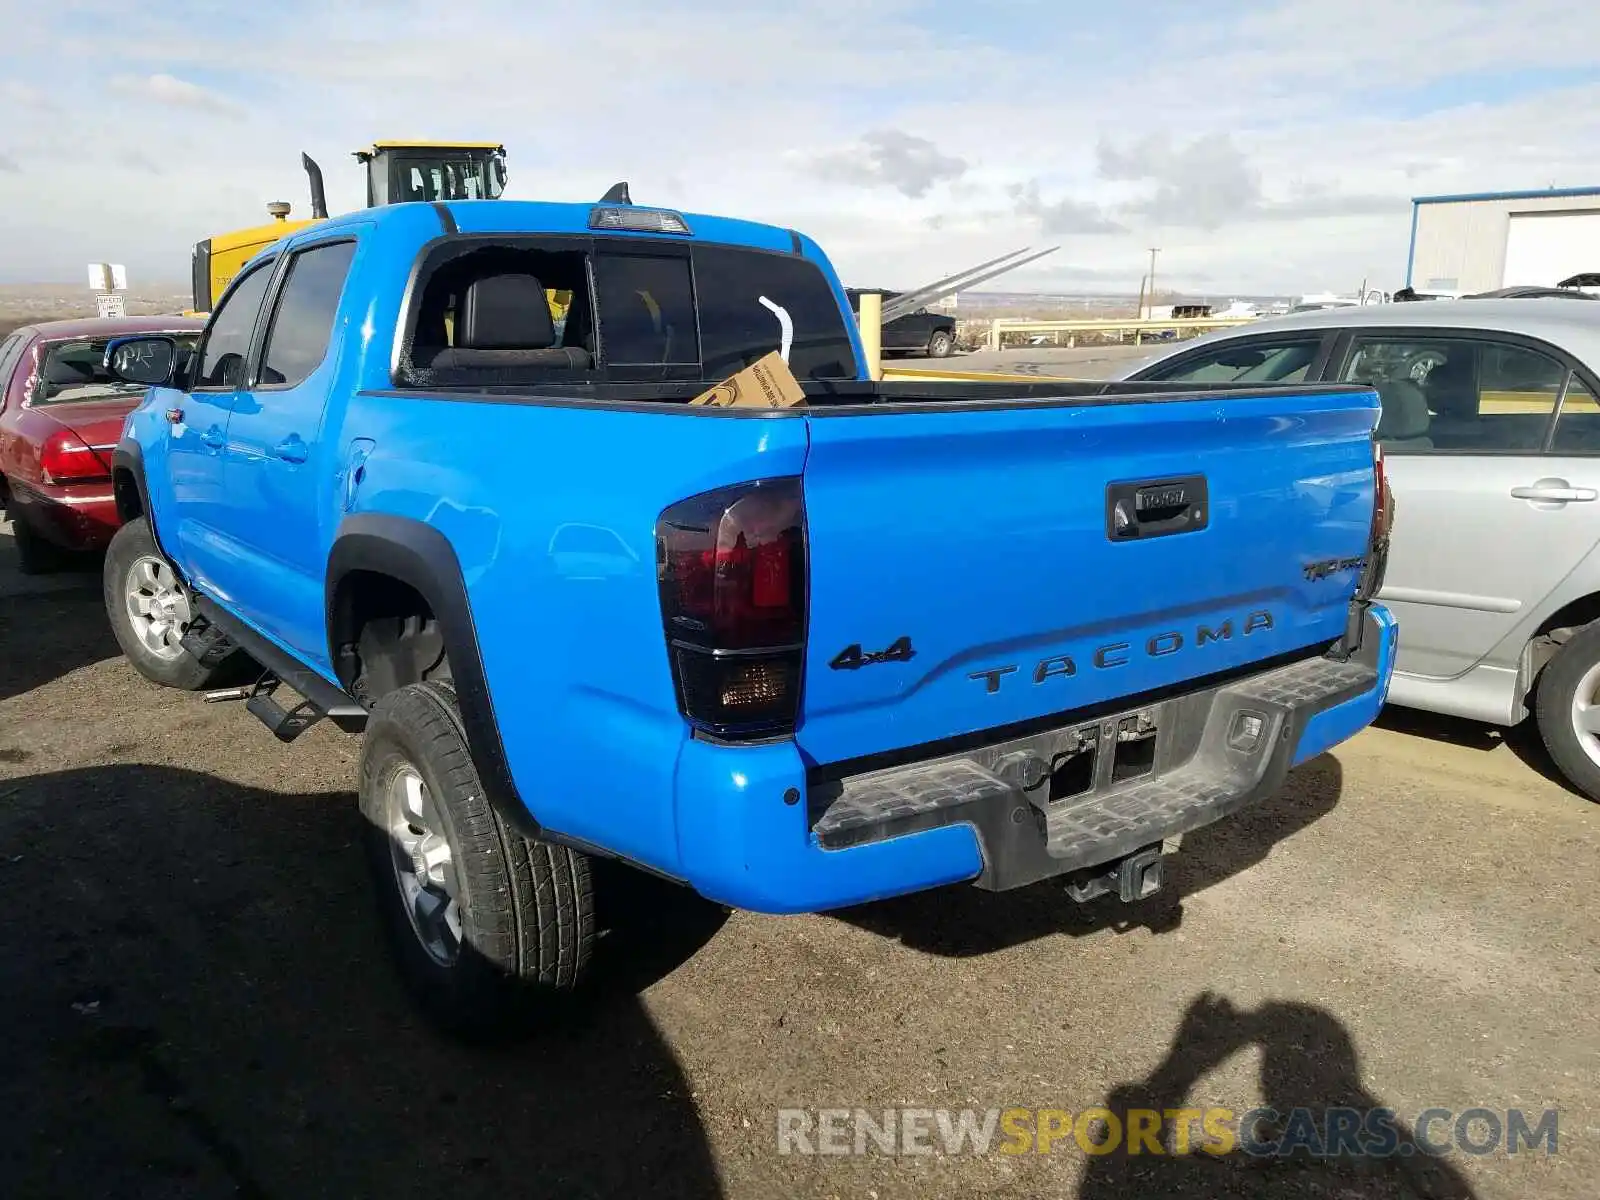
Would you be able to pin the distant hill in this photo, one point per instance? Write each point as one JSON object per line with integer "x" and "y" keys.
{"x": 26, "y": 303}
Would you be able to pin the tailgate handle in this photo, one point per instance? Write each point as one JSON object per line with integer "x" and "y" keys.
{"x": 1148, "y": 508}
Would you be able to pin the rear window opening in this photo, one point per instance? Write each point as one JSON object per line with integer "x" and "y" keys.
{"x": 533, "y": 311}
{"x": 500, "y": 314}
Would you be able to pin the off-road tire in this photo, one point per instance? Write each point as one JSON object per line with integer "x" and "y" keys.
{"x": 128, "y": 545}
{"x": 35, "y": 556}
{"x": 1553, "y": 709}
{"x": 940, "y": 344}
{"x": 526, "y": 907}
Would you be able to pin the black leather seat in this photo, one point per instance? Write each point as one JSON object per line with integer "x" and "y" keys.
{"x": 503, "y": 322}
{"x": 1404, "y": 421}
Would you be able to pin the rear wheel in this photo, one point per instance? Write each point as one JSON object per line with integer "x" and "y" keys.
{"x": 1568, "y": 710}
{"x": 940, "y": 344}
{"x": 149, "y": 610}
{"x": 487, "y": 926}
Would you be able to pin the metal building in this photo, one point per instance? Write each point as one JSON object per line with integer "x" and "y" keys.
{"x": 1475, "y": 243}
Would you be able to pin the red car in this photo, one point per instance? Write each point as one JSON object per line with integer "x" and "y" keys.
{"x": 61, "y": 416}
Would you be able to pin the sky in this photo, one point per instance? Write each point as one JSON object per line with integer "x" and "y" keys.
{"x": 1269, "y": 146}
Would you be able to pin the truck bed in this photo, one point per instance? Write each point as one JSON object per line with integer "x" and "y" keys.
{"x": 897, "y": 393}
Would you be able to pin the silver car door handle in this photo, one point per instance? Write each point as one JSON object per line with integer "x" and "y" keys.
{"x": 1554, "y": 494}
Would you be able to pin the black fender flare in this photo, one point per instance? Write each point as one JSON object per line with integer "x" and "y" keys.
{"x": 420, "y": 556}
{"x": 130, "y": 458}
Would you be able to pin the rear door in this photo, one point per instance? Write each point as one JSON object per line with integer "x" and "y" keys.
{"x": 967, "y": 573}
{"x": 277, "y": 468}
{"x": 1494, "y": 502}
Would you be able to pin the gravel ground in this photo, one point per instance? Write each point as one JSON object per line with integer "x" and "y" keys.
{"x": 200, "y": 1004}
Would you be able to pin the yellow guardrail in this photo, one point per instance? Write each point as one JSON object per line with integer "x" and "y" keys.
{"x": 957, "y": 376}
{"x": 1001, "y": 326}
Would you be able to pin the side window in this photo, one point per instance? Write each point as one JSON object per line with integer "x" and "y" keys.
{"x": 227, "y": 337}
{"x": 1578, "y": 426}
{"x": 1245, "y": 362}
{"x": 10, "y": 351}
{"x": 646, "y": 306}
{"x": 1467, "y": 395}
{"x": 302, "y": 322}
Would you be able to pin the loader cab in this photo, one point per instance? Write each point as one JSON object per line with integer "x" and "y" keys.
{"x": 398, "y": 172}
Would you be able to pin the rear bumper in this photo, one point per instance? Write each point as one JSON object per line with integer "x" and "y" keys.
{"x": 73, "y": 516}
{"x": 757, "y": 833}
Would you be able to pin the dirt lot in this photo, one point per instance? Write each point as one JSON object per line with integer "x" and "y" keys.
{"x": 199, "y": 1004}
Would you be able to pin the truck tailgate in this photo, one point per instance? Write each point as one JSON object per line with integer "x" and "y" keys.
{"x": 969, "y": 572}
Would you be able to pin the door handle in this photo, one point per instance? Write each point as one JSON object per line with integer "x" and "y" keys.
{"x": 1554, "y": 491}
{"x": 291, "y": 449}
{"x": 214, "y": 438}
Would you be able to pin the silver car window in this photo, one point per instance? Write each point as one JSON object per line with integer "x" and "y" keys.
{"x": 1578, "y": 426}
{"x": 1245, "y": 362}
{"x": 1458, "y": 394}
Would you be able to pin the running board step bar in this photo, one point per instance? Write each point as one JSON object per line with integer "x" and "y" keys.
{"x": 286, "y": 723}
{"x": 213, "y": 635}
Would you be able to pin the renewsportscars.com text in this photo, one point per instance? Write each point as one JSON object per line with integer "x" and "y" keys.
{"x": 1263, "y": 1132}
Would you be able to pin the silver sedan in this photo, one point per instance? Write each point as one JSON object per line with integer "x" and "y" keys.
{"x": 1491, "y": 436}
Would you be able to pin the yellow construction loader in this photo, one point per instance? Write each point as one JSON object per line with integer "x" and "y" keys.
{"x": 396, "y": 172}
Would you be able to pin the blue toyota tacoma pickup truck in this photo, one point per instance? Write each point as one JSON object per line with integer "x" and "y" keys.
{"x": 896, "y": 637}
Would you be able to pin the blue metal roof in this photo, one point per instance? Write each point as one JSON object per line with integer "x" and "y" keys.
{"x": 1540, "y": 194}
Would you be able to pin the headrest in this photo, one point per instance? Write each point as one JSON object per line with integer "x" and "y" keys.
{"x": 1405, "y": 410}
{"x": 505, "y": 312}
{"x": 59, "y": 369}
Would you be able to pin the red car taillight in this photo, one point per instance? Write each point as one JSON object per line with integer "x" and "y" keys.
{"x": 731, "y": 566}
{"x": 67, "y": 458}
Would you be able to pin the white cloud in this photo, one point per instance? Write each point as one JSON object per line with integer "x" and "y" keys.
{"x": 162, "y": 88}
{"x": 23, "y": 96}
{"x": 1268, "y": 146}
{"x": 1063, "y": 217}
{"x": 909, "y": 164}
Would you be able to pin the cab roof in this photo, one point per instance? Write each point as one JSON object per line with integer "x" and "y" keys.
{"x": 424, "y": 145}
{"x": 534, "y": 217}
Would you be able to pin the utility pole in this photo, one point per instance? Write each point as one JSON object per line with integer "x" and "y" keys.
{"x": 1154, "y": 250}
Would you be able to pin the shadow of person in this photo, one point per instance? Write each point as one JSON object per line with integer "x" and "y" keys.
{"x": 1309, "y": 1065}
{"x": 962, "y": 921}
{"x": 201, "y": 1005}
{"x": 1522, "y": 739}
{"x": 44, "y": 636}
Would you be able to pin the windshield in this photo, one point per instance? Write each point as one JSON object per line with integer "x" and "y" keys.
{"x": 72, "y": 371}
{"x": 450, "y": 179}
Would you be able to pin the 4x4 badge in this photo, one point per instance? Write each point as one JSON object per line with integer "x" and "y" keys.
{"x": 852, "y": 656}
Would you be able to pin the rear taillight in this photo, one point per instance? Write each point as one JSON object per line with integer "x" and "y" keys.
{"x": 67, "y": 458}
{"x": 731, "y": 565}
{"x": 1382, "y": 519}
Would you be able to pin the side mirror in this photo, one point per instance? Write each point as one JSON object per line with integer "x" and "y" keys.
{"x": 148, "y": 361}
